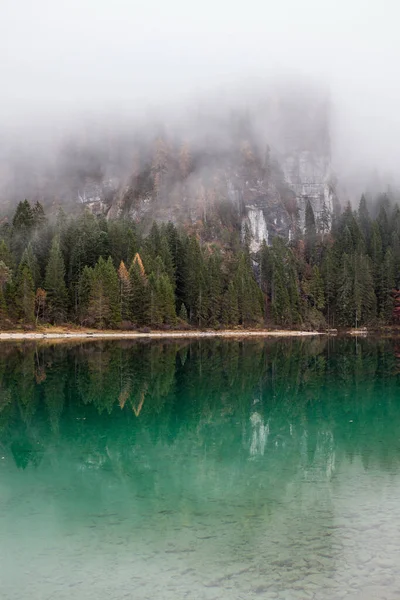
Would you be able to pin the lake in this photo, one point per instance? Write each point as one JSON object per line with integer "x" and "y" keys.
{"x": 206, "y": 469}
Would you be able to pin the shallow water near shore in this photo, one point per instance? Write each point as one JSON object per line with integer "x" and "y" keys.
{"x": 207, "y": 469}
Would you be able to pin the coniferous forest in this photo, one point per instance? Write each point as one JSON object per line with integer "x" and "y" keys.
{"x": 93, "y": 272}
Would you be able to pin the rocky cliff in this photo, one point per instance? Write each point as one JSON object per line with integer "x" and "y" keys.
{"x": 246, "y": 171}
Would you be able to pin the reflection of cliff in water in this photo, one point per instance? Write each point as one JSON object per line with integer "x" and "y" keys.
{"x": 247, "y": 464}
{"x": 300, "y": 398}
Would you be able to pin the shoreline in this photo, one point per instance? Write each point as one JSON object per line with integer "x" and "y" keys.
{"x": 65, "y": 334}
{"x": 87, "y": 335}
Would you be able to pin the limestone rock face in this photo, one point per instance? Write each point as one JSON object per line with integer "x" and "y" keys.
{"x": 247, "y": 171}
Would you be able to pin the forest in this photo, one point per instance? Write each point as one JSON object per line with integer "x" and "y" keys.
{"x": 88, "y": 271}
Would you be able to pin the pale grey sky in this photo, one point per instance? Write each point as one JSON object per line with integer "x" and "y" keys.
{"x": 61, "y": 57}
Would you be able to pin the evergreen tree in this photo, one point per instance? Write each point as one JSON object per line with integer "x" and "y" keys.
{"x": 38, "y": 215}
{"x": 364, "y": 219}
{"x": 24, "y": 217}
{"x": 384, "y": 228}
{"x": 162, "y": 301}
{"x": 104, "y": 308}
{"x": 57, "y": 296}
{"x": 230, "y": 307}
{"x": 5, "y": 279}
{"x": 313, "y": 287}
{"x": 83, "y": 293}
{"x": 386, "y": 287}
{"x": 6, "y": 255}
{"x": 345, "y": 292}
{"x": 249, "y": 294}
{"x": 29, "y": 259}
{"x": 125, "y": 292}
{"x": 25, "y": 295}
{"x": 140, "y": 301}
{"x": 324, "y": 219}
{"x": 280, "y": 299}
{"x": 214, "y": 289}
{"x": 310, "y": 232}
{"x": 195, "y": 288}
{"x": 329, "y": 269}
{"x": 183, "y": 313}
{"x": 366, "y": 282}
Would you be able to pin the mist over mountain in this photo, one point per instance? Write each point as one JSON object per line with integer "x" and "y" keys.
{"x": 160, "y": 112}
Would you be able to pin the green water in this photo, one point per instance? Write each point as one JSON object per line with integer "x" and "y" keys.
{"x": 202, "y": 470}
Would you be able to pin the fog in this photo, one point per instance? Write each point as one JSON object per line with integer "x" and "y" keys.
{"x": 123, "y": 61}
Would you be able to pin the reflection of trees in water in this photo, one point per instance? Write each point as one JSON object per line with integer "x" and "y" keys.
{"x": 316, "y": 402}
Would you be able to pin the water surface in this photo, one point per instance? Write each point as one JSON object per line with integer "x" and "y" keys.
{"x": 207, "y": 470}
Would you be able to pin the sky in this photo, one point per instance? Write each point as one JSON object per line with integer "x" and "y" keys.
{"x": 60, "y": 59}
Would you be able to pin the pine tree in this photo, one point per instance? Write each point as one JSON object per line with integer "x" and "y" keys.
{"x": 125, "y": 292}
{"x": 6, "y": 255}
{"x": 5, "y": 275}
{"x": 183, "y": 315}
{"x": 230, "y": 307}
{"x": 376, "y": 253}
{"x": 364, "y": 219}
{"x": 249, "y": 294}
{"x": 57, "y": 296}
{"x": 25, "y": 295}
{"x": 386, "y": 287}
{"x": 5, "y": 279}
{"x": 345, "y": 293}
{"x": 83, "y": 293}
{"x": 38, "y": 215}
{"x": 356, "y": 297}
{"x": 214, "y": 276}
{"x": 104, "y": 307}
{"x": 310, "y": 232}
{"x": 140, "y": 300}
{"x": 40, "y": 303}
{"x": 329, "y": 269}
{"x": 368, "y": 305}
{"x": 162, "y": 301}
{"x": 29, "y": 259}
{"x": 324, "y": 219}
{"x": 313, "y": 287}
{"x": 155, "y": 310}
{"x": 280, "y": 299}
{"x": 195, "y": 283}
{"x": 23, "y": 217}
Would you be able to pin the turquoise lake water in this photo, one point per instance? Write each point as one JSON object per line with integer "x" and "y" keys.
{"x": 200, "y": 470}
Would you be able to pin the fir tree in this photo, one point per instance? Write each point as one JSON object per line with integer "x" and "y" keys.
{"x": 5, "y": 279}
{"x": 38, "y": 215}
{"x": 183, "y": 315}
{"x": 24, "y": 217}
{"x": 104, "y": 307}
{"x": 29, "y": 259}
{"x": 140, "y": 301}
{"x": 6, "y": 255}
{"x": 25, "y": 295}
{"x": 214, "y": 290}
{"x": 310, "y": 232}
{"x": 83, "y": 293}
{"x": 125, "y": 292}
{"x": 345, "y": 292}
{"x": 249, "y": 294}
{"x": 386, "y": 287}
{"x": 230, "y": 308}
{"x": 55, "y": 287}
{"x": 364, "y": 219}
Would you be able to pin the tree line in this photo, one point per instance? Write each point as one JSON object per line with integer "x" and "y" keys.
{"x": 103, "y": 273}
